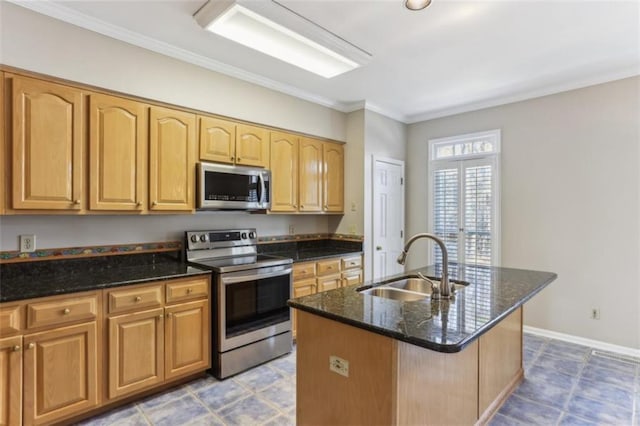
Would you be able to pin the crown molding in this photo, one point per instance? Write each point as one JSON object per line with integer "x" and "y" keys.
{"x": 355, "y": 106}
{"x": 631, "y": 71}
{"x": 71, "y": 16}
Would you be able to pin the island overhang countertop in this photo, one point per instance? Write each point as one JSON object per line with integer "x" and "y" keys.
{"x": 442, "y": 325}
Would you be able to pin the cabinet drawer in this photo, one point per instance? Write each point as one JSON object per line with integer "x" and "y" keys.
{"x": 304, "y": 270}
{"x": 352, "y": 262}
{"x": 10, "y": 319}
{"x": 352, "y": 277}
{"x": 331, "y": 266}
{"x": 61, "y": 311}
{"x": 134, "y": 298}
{"x": 187, "y": 289}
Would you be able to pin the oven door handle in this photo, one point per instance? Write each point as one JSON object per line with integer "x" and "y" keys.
{"x": 254, "y": 276}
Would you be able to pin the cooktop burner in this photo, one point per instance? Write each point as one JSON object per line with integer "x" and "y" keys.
{"x": 239, "y": 263}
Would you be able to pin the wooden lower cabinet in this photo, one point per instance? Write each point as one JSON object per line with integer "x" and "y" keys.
{"x": 11, "y": 381}
{"x": 187, "y": 338}
{"x": 136, "y": 343}
{"x": 60, "y": 373}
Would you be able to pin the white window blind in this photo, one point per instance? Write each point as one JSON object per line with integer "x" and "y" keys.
{"x": 464, "y": 198}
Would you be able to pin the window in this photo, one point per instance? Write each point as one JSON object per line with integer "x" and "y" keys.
{"x": 464, "y": 193}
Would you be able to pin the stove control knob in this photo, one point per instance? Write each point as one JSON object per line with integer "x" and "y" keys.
{"x": 252, "y": 235}
{"x": 243, "y": 236}
{"x": 194, "y": 238}
{"x": 204, "y": 238}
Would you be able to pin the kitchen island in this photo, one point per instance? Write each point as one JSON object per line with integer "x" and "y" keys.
{"x": 363, "y": 359}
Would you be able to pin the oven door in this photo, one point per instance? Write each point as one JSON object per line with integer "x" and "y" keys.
{"x": 252, "y": 305}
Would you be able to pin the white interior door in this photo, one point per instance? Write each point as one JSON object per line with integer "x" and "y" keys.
{"x": 388, "y": 216}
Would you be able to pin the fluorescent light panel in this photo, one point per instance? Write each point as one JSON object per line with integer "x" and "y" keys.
{"x": 242, "y": 25}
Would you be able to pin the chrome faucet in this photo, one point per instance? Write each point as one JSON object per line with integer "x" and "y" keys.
{"x": 444, "y": 292}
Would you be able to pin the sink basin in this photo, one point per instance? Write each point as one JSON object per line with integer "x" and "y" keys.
{"x": 394, "y": 293}
{"x": 407, "y": 289}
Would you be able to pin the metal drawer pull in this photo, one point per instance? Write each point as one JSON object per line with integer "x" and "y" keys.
{"x": 169, "y": 314}
{"x": 31, "y": 345}
{"x": 138, "y": 299}
{"x": 16, "y": 348}
{"x": 160, "y": 317}
{"x": 66, "y": 311}
{"x": 189, "y": 290}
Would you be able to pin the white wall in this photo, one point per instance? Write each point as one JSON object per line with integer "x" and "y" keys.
{"x": 570, "y": 202}
{"x": 38, "y": 43}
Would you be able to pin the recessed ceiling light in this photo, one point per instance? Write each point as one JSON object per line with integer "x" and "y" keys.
{"x": 273, "y": 29}
{"x": 416, "y": 4}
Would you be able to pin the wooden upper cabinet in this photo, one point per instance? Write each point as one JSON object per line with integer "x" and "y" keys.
{"x": 3, "y": 150}
{"x": 117, "y": 152}
{"x": 310, "y": 175}
{"x": 172, "y": 139}
{"x": 284, "y": 172}
{"x": 217, "y": 140}
{"x": 47, "y": 145}
{"x": 252, "y": 146}
{"x": 333, "y": 180}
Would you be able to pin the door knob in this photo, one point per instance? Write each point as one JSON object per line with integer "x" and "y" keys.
{"x": 378, "y": 248}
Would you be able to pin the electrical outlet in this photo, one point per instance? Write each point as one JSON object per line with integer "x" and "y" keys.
{"x": 292, "y": 230}
{"x": 27, "y": 243}
{"x": 595, "y": 313}
{"x": 339, "y": 365}
{"x": 353, "y": 206}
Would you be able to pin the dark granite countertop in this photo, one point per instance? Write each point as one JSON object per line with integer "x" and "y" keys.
{"x": 441, "y": 325}
{"x": 313, "y": 254}
{"x": 46, "y": 278}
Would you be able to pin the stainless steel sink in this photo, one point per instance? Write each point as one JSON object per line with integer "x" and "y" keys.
{"x": 408, "y": 288}
{"x": 394, "y": 293}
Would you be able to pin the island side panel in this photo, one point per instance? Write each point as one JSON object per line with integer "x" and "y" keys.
{"x": 500, "y": 363}
{"x": 324, "y": 397}
{"x": 436, "y": 388}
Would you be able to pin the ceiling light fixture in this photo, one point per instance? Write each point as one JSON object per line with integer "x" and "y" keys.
{"x": 275, "y": 30}
{"x": 416, "y": 4}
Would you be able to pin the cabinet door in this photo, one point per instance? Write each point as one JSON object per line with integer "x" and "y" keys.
{"x": 187, "y": 338}
{"x": 136, "y": 350}
{"x": 310, "y": 177}
{"x": 171, "y": 159}
{"x": 329, "y": 282}
{"x": 60, "y": 373}
{"x": 284, "y": 172}
{"x": 47, "y": 145}
{"x": 252, "y": 146}
{"x": 117, "y": 153}
{"x": 11, "y": 381}
{"x": 217, "y": 140}
{"x": 333, "y": 182}
{"x": 3, "y": 147}
{"x": 301, "y": 288}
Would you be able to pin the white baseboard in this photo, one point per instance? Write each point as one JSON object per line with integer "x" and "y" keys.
{"x": 595, "y": 344}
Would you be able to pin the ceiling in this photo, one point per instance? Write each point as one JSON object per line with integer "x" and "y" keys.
{"x": 452, "y": 57}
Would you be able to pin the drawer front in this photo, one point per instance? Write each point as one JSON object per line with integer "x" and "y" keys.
{"x": 134, "y": 298}
{"x": 331, "y": 266}
{"x": 187, "y": 289}
{"x": 352, "y": 278}
{"x": 10, "y": 320}
{"x": 304, "y": 270}
{"x": 352, "y": 262}
{"x": 61, "y": 311}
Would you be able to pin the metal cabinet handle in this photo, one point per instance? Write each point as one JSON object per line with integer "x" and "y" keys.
{"x": 139, "y": 204}
{"x": 137, "y": 299}
{"x": 239, "y": 159}
{"x": 169, "y": 314}
{"x": 16, "y": 348}
{"x": 155, "y": 203}
{"x": 189, "y": 290}
{"x": 66, "y": 311}
{"x": 76, "y": 202}
{"x": 294, "y": 206}
{"x": 160, "y": 317}
{"x": 31, "y": 345}
{"x": 301, "y": 206}
{"x": 232, "y": 158}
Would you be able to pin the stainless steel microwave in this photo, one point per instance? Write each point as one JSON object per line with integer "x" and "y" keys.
{"x": 227, "y": 187}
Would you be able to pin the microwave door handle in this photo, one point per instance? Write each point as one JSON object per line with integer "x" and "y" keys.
{"x": 261, "y": 188}
{"x": 254, "y": 276}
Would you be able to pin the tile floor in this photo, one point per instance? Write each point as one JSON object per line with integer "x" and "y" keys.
{"x": 564, "y": 385}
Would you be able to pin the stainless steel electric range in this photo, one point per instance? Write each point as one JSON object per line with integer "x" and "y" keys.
{"x": 251, "y": 322}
